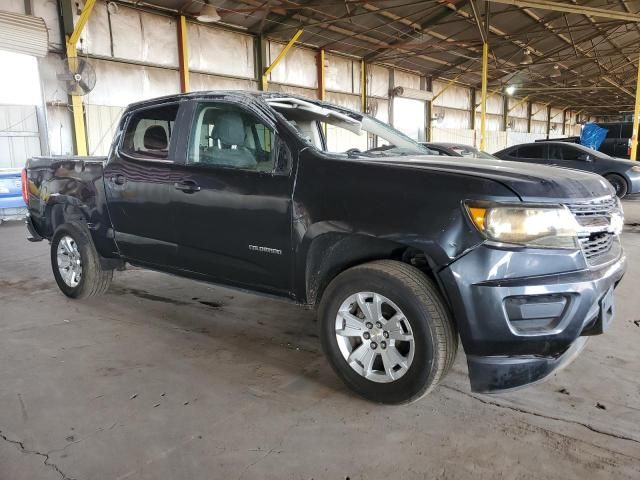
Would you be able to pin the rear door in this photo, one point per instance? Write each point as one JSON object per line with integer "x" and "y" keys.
{"x": 233, "y": 202}
{"x": 139, "y": 178}
{"x": 531, "y": 153}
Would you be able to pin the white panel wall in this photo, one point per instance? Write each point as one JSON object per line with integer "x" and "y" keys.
{"x": 495, "y": 103}
{"x": 102, "y": 121}
{"x": 342, "y": 74}
{"x": 405, "y": 79}
{"x": 144, "y": 37}
{"x": 454, "y": 96}
{"x": 345, "y": 100}
{"x": 219, "y": 51}
{"x": 119, "y": 84}
{"x": 200, "y": 81}
{"x": 377, "y": 81}
{"x": 456, "y": 135}
{"x": 297, "y": 68}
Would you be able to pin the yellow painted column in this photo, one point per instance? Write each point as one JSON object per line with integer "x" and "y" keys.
{"x": 636, "y": 119}
{"x": 483, "y": 101}
{"x": 363, "y": 86}
{"x": 77, "y": 107}
{"x": 183, "y": 54}
{"x": 72, "y": 58}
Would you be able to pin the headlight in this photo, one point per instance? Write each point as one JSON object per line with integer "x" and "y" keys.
{"x": 532, "y": 225}
{"x": 636, "y": 169}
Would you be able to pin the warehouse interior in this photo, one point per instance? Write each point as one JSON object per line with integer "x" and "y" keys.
{"x": 168, "y": 378}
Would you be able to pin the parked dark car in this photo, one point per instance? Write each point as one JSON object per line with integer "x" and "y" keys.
{"x": 624, "y": 175}
{"x": 617, "y": 143}
{"x": 399, "y": 251}
{"x": 456, "y": 150}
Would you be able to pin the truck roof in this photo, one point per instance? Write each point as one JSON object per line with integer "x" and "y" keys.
{"x": 237, "y": 94}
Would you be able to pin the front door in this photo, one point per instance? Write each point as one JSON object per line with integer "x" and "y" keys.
{"x": 570, "y": 156}
{"x": 233, "y": 206}
{"x": 139, "y": 180}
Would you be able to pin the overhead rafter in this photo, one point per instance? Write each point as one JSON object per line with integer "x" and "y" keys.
{"x": 569, "y": 8}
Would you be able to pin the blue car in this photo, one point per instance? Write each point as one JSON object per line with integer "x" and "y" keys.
{"x": 12, "y": 206}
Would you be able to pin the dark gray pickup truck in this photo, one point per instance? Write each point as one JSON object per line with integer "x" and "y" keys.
{"x": 402, "y": 253}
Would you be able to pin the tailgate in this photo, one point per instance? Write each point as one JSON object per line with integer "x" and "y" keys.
{"x": 11, "y": 189}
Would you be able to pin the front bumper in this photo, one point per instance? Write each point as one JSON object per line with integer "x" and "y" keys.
{"x": 517, "y": 329}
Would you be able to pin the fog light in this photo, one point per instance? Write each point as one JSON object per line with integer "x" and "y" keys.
{"x": 535, "y": 313}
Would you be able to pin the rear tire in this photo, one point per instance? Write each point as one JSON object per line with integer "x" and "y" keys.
{"x": 76, "y": 263}
{"x": 387, "y": 332}
{"x": 618, "y": 183}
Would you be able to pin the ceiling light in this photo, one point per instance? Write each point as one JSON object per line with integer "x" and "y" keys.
{"x": 527, "y": 59}
{"x": 556, "y": 72}
{"x": 510, "y": 89}
{"x": 208, "y": 14}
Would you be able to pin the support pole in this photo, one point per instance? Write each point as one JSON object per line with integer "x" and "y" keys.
{"x": 72, "y": 58}
{"x": 321, "y": 86}
{"x": 283, "y": 53}
{"x": 363, "y": 86}
{"x": 183, "y": 54}
{"x": 636, "y": 119}
{"x": 483, "y": 99}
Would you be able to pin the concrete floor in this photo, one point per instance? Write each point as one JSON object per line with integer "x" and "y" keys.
{"x": 165, "y": 378}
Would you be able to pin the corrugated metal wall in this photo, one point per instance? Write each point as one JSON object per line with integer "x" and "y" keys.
{"x": 19, "y": 137}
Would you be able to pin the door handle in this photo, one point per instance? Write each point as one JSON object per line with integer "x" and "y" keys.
{"x": 118, "y": 179}
{"x": 187, "y": 186}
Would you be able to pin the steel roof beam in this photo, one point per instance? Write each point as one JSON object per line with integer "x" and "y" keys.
{"x": 568, "y": 8}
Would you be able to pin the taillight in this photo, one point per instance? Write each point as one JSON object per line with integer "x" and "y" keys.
{"x": 25, "y": 187}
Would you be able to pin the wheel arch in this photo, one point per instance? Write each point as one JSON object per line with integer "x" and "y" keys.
{"x": 621, "y": 175}
{"x": 332, "y": 253}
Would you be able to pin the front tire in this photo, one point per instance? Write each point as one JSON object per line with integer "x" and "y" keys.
{"x": 386, "y": 331}
{"x": 618, "y": 183}
{"x": 76, "y": 263}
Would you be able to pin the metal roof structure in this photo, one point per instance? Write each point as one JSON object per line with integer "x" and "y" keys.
{"x": 576, "y": 54}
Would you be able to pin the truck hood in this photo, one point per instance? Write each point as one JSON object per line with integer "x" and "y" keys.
{"x": 529, "y": 181}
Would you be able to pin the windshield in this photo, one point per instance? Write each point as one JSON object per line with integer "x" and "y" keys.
{"x": 470, "y": 152}
{"x": 344, "y": 132}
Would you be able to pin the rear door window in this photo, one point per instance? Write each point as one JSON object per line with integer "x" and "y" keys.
{"x": 626, "y": 130}
{"x": 148, "y": 132}
{"x": 531, "y": 151}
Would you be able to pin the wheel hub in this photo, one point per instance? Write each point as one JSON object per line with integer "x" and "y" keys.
{"x": 69, "y": 261}
{"x": 374, "y": 337}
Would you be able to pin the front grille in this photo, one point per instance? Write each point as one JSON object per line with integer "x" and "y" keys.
{"x": 596, "y": 208}
{"x": 595, "y": 217}
{"x": 596, "y": 244}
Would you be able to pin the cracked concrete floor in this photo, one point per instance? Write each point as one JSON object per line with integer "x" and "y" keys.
{"x": 165, "y": 378}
